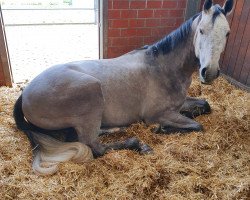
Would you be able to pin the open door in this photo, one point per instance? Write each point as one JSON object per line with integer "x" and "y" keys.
{"x": 5, "y": 68}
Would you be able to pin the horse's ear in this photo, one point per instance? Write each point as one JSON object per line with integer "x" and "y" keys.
{"x": 228, "y": 6}
{"x": 207, "y": 5}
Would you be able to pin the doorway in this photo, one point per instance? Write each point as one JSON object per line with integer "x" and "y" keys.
{"x": 44, "y": 33}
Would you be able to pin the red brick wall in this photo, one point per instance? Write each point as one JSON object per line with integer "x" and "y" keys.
{"x": 134, "y": 23}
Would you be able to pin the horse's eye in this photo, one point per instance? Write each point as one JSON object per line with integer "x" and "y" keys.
{"x": 201, "y": 31}
{"x": 227, "y": 35}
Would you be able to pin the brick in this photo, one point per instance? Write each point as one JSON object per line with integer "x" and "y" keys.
{"x": 130, "y": 48}
{"x": 161, "y": 13}
{"x": 161, "y": 32}
{"x": 154, "y": 4}
{"x": 128, "y": 32}
{"x": 157, "y": 32}
{"x": 153, "y": 22}
{"x": 119, "y": 23}
{"x": 168, "y": 22}
{"x": 120, "y": 4}
{"x": 176, "y": 13}
{"x": 137, "y": 23}
{"x": 118, "y": 51}
{"x": 168, "y": 30}
{"x": 149, "y": 40}
{"x": 182, "y": 4}
{"x": 128, "y": 13}
{"x": 122, "y": 41}
{"x": 145, "y": 13}
{"x": 179, "y": 21}
{"x": 114, "y": 32}
{"x": 144, "y": 32}
{"x": 169, "y": 4}
{"x": 110, "y": 4}
{"x": 115, "y": 51}
{"x": 135, "y": 41}
{"x": 114, "y": 14}
{"x": 110, "y": 41}
{"x": 137, "y": 4}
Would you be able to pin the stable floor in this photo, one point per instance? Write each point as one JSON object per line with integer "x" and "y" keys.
{"x": 213, "y": 164}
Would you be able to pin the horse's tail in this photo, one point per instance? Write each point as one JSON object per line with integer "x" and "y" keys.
{"x": 49, "y": 152}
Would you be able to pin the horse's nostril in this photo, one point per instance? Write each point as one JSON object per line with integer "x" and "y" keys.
{"x": 203, "y": 72}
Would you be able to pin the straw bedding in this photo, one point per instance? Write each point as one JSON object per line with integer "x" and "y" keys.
{"x": 209, "y": 165}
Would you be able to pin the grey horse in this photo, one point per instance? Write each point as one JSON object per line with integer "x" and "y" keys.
{"x": 148, "y": 84}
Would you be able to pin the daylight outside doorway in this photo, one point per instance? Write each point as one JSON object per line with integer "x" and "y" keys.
{"x": 42, "y": 33}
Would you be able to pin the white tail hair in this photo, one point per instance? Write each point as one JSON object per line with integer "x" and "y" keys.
{"x": 51, "y": 152}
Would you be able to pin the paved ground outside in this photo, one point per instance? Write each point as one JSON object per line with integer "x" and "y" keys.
{"x": 32, "y": 49}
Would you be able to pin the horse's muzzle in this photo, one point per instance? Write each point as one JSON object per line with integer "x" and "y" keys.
{"x": 207, "y": 75}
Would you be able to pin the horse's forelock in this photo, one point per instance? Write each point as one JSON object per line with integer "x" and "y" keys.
{"x": 217, "y": 11}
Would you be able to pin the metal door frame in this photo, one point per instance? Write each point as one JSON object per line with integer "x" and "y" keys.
{"x": 4, "y": 54}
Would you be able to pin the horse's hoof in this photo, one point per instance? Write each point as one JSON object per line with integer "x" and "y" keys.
{"x": 146, "y": 149}
{"x": 198, "y": 128}
{"x": 207, "y": 108}
{"x": 188, "y": 114}
{"x": 132, "y": 143}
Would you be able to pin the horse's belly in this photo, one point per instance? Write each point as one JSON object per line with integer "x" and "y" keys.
{"x": 120, "y": 111}
{"x": 117, "y": 116}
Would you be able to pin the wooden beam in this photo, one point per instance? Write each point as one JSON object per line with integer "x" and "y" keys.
{"x": 4, "y": 55}
{"x": 236, "y": 83}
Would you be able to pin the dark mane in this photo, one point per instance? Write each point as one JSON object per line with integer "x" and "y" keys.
{"x": 217, "y": 12}
{"x": 169, "y": 42}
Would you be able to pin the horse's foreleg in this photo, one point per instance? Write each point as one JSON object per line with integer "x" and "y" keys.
{"x": 193, "y": 107}
{"x": 171, "y": 122}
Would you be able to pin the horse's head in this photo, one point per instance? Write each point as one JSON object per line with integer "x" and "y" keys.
{"x": 211, "y": 32}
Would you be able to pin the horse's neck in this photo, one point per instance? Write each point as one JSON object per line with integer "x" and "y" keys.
{"x": 181, "y": 60}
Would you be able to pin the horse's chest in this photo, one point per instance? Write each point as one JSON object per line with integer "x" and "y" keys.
{"x": 161, "y": 97}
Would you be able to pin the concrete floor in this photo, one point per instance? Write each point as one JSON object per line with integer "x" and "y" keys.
{"x": 32, "y": 49}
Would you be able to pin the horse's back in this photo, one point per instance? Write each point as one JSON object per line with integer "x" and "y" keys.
{"x": 59, "y": 96}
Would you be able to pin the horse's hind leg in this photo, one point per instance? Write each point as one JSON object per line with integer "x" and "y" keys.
{"x": 89, "y": 129}
{"x": 87, "y": 125}
{"x": 107, "y": 131}
{"x": 100, "y": 149}
{"x": 193, "y": 107}
{"x": 88, "y": 134}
